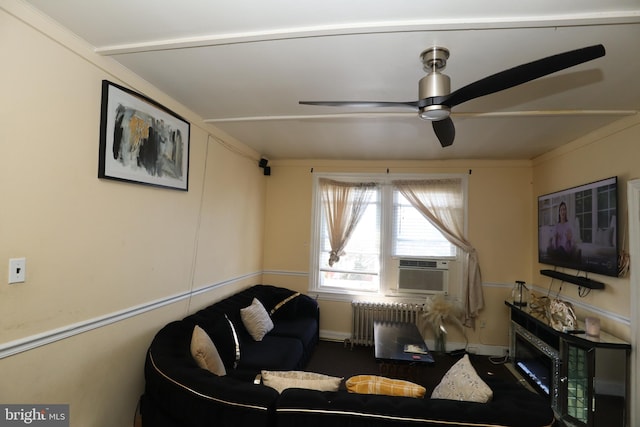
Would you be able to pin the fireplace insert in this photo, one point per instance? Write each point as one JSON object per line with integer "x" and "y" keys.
{"x": 534, "y": 365}
{"x": 537, "y": 362}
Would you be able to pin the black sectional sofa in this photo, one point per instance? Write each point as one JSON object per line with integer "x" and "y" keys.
{"x": 178, "y": 393}
{"x": 512, "y": 406}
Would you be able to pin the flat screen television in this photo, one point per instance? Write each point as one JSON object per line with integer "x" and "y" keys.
{"x": 578, "y": 228}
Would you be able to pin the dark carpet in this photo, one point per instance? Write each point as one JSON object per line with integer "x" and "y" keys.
{"x": 336, "y": 359}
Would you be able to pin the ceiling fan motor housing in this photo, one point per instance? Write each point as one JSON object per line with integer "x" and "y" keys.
{"x": 434, "y": 83}
{"x": 431, "y": 85}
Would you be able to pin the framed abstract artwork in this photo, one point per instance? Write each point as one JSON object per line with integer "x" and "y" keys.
{"x": 141, "y": 141}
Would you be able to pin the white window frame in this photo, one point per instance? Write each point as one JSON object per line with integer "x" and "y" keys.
{"x": 388, "y": 264}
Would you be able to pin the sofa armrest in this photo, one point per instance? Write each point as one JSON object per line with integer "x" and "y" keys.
{"x": 307, "y": 307}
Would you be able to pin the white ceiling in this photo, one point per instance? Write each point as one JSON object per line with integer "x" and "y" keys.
{"x": 243, "y": 65}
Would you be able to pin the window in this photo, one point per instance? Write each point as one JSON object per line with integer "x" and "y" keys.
{"x": 389, "y": 228}
{"x": 359, "y": 265}
{"x": 414, "y": 236}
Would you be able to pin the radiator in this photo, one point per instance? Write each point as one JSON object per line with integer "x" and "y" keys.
{"x": 365, "y": 313}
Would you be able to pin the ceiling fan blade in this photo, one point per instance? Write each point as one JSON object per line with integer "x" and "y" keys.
{"x": 445, "y": 131}
{"x": 364, "y": 104}
{"x": 521, "y": 74}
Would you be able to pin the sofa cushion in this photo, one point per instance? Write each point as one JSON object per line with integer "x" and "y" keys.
{"x": 256, "y": 319}
{"x": 281, "y": 380}
{"x": 462, "y": 382}
{"x": 272, "y": 353}
{"x": 205, "y": 352}
{"x": 304, "y": 329}
{"x": 372, "y": 384}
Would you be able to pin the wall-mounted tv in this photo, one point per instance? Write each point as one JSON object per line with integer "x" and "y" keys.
{"x": 578, "y": 228}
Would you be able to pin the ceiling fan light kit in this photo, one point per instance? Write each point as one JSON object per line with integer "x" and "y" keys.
{"x": 434, "y": 90}
{"x": 435, "y": 113}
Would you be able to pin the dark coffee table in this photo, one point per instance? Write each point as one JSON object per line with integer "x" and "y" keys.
{"x": 399, "y": 347}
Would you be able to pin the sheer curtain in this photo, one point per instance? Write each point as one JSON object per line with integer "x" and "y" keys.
{"x": 344, "y": 203}
{"x": 441, "y": 201}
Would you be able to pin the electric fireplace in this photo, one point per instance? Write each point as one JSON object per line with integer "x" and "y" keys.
{"x": 537, "y": 362}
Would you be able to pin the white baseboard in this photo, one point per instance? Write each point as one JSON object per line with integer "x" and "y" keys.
{"x": 334, "y": 335}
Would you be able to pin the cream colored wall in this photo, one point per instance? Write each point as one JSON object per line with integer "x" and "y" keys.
{"x": 613, "y": 150}
{"x": 500, "y": 210}
{"x": 101, "y": 254}
{"x": 114, "y": 260}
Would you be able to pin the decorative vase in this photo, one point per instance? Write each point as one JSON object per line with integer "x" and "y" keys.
{"x": 441, "y": 343}
{"x": 520, "y": 294}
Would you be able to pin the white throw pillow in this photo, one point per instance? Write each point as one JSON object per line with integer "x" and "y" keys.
{"x": 205, "y": 352}
{"x": 462, "y": 382}
{"x": 256, "y": 319}
{"x": 280, "y": 380}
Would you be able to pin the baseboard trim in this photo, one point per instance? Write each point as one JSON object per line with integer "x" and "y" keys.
{"x": 327, "y": 335}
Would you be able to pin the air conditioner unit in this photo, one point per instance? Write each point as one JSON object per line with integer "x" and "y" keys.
{"x": 423, "y": 276}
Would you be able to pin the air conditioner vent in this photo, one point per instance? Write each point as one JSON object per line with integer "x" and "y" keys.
{"x": 423, "y": 276}
{"x": 424, "y": 263}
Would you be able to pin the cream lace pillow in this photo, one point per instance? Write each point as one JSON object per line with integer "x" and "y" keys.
{"x": 256, "y": 319}
{"x": 462, "y": 382}
{"x": 280, "y": 380}
{"x": 205, "y": 352}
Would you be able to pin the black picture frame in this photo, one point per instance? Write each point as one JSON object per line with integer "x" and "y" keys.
{"x": 142, "y": 141}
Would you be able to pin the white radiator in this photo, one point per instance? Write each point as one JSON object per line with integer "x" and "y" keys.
{"x": 365, "y": 313}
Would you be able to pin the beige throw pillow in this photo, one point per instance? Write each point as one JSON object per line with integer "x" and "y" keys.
{"x": 462, "y": 382}
{"x": 205, "y": 352}
{"x": 256, "y": 319}
{"x": 281, "y": 380}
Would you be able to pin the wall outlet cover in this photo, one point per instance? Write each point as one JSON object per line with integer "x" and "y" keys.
{"x": 17, "y": 270}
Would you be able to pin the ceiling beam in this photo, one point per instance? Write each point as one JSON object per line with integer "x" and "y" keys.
{"x": 543, "y": 21}
{"x": 374, "y": 115}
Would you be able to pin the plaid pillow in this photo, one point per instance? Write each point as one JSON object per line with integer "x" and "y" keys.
{"x": 371, "y": 384}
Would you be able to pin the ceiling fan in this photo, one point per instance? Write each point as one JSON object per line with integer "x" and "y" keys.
{"x": 435, "y": 96}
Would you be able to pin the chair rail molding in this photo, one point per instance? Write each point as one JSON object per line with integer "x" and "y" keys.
{"x": 47, "y": 337}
